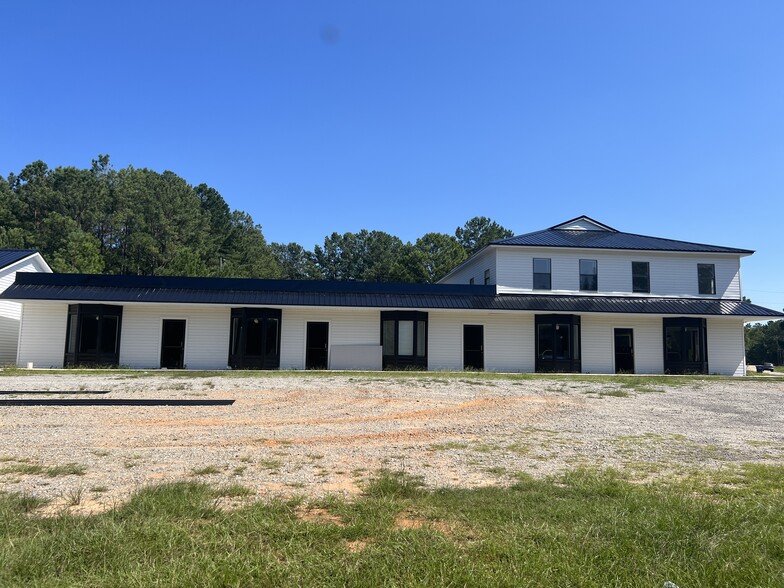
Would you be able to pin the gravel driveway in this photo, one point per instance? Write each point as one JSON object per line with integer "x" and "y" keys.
{"x": 315, "y": 434}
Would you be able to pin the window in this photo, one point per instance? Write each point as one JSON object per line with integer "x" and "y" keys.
{"x": 254, "y": 340}
{"x": 685, "y": 346}
{"x": 641, "y": 277}
{"x": 93, "y": 335}
{"x": 588, "y": 275}
{"x": 471, "y": 281}
{"x": 542, "y": 275}
{"x": 404, "y": 339}
{"x": 487, "y": 277}
{"x": 706, "y": 276}
{"x": 558, "y": 343}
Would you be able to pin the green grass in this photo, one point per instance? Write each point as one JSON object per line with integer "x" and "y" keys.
{"x": 206, "y": 471}
{"x": 633, "y": 382}
{"x": 584, "y": 528}
{"x": 31, "y": 469}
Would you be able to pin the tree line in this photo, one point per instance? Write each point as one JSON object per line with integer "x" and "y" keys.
{"x": 765, "y": 343}
{"x": 142, "y": 222}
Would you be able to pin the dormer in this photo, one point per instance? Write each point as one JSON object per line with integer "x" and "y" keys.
{"x": 582, "y": 223}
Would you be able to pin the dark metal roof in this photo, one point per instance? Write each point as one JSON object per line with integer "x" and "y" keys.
{"x": 584, "y": 217}
{"x": 240, "y": 292}
{"x": 610, "y": 239}
{"x": 9, "y": 256}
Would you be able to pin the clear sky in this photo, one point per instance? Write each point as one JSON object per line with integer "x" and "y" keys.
{"x": 659, "y": 118}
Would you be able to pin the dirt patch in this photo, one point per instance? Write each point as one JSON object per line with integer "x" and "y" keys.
{"x": 357, "y": 545}
{"x": 315, "y": 435}
{"x": 318, "y": 515}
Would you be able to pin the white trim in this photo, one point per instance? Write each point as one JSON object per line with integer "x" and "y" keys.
{"x": 33, "y": 256}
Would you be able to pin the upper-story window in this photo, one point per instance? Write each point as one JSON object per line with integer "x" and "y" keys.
{"x": 641, "y": 277}
{"x": 542, "y": 274}
{"x": 589, "y": 270}
{"x": 487, "y": 277}
{"x": 706, "y": 276}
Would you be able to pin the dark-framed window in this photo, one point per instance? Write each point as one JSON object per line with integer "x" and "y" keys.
{"x": 471, "y": 282}
{"x": 487, "y": 277}
{"x": 685, "y": 346}
{"x": 641, "y": 277}
{"x": 404, "y": 339}
{"x": 92, "y": 335}
{"x": 558, "y": 343}
{"x": 542, "y": 274}
{"x": 254, "y": 338}
{"x": 589, "y": 272}
{"x": 706, "y": 278}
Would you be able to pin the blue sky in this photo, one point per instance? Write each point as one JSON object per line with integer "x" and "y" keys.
{"x": 660, "y": 118}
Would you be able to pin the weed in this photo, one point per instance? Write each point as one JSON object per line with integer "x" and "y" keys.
{"x": 74, "y": 496}
{"x": 30, "y": 469}
{"x": 448, "y": 445}
{"x": 205, "y": 471}
{"x": 271, "y": 464}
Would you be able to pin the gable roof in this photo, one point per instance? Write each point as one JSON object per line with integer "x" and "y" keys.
{"x": 11, "y": 256}
{"x": 240, "y": 292}
{"x": 601, "y": 236}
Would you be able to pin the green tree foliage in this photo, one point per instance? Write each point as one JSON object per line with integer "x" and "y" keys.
{"x": 479, "y": 232}
{"x": 131, "y": 221}
{"x": 296, "y": 262}
{"x": 371, "y": 256}
{"x": 430, "y": 258}
{"x": 139, "y": 221}
{"x": 765, "y": 342}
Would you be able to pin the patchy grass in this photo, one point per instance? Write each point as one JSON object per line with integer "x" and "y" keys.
{"x": 206, "y": 471}
{"x": 35, "y": 469}
{"x": 584, "y": 528}
{"x": 648, "y": 383}
{"x": 270, "y": 464}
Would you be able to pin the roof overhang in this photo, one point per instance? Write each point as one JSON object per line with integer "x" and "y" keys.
{"x": 76, "y": 288}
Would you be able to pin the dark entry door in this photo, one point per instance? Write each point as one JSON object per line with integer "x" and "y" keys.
{"x": 473, "y": 347}
{"x": 624, "y": 351}
{"x": 173, "y": 344}
{"x": 316, "y": 346}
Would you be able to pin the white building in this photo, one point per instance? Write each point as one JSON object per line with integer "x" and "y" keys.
{"x": 577, "y": 297}
{"x": 11, "y": 262}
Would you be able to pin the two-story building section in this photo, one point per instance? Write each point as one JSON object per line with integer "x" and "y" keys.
{"x": 577, "y": 297}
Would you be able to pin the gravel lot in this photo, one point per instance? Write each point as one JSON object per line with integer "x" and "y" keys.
{"x": 315, "y": 434}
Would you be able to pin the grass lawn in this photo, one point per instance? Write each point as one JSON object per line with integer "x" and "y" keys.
{"x": 582, "y": 529}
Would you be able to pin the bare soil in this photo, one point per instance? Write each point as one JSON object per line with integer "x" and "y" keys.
{"x": 319, "y": 434}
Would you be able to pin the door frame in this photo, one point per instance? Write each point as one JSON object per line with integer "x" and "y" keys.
{"x": 305, "y": 341}
{"x": 634, "y": 355}
{"x": 462, "y": 343}
{"x": 184, "y": 336}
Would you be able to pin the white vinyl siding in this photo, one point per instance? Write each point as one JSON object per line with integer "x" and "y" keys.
{"x": 475, "y": 268}
{"x": 508, "y": 340}
{"x": 206, "y": 335}
{"x": 726, "y": 346}
{"x": 42, "y": 336}
{"x": 670, "y": 274}
{"x": 598, "y": 343}
{"x": 11, "y": 312}
{"x": 347, "y": 326}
